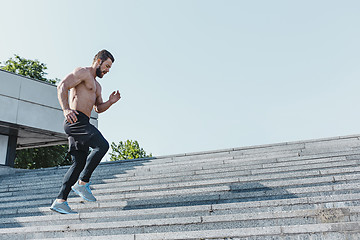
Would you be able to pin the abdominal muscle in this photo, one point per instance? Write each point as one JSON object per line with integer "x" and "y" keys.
{"x": 82, "y": 99}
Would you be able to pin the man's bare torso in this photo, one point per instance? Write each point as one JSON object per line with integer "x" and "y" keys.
{"x": 85, "y": 91}
{"x": 83, "y": 96}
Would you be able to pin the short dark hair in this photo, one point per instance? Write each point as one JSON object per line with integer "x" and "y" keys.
{"x": 103, "y": 55}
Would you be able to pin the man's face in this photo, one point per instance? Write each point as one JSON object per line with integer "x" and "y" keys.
{"x": 103, "y": 68}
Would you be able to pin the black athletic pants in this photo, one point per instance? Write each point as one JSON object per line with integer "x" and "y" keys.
{"x": 82, "y": 135}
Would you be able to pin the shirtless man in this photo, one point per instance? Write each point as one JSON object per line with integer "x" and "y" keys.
{"x": 85, "y": 95}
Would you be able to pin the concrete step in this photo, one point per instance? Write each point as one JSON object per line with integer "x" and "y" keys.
{"x": 300, "y": 190}
{"x": 329, "y": 176}
{"x": 277, "y": 204}
{"x": 197, "y": 196}
{"x": 142, "y": 164}
{"x": 225, "y": 172}
{"x": 199, "y": 223}
{"x": 223, "y": 167}
{"x": 236, "y": 184}
{"x": 336, "y": 201}
{"x": 329, "y": 231}
{"x": 231, "y": 184}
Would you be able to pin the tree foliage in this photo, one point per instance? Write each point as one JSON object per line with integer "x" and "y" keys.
{"x": 28, "y": 68}
{"x": 36, "y": 157}
{"x": 127, "y": 150}
{"x": 43, "y": 157}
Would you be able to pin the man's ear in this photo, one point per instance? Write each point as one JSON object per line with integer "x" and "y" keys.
{"x": 98, "y": 62}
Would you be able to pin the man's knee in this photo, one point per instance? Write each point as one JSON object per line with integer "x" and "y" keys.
{"x": 104, "y": 145}
{"x": 99, "y": 143}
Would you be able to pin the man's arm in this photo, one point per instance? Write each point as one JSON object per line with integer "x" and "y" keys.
{"x": 70, "y": 81}
{"x": 101, "y": 106}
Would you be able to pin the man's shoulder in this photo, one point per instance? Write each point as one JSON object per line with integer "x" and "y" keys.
{"x": 82, "y": 72}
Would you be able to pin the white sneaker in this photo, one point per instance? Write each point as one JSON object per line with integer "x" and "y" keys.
{"x": 84, "y": 191}
{"x": 62, "y": 208}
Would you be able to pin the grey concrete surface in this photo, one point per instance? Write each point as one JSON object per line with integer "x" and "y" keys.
{"x": 261, "y": 194}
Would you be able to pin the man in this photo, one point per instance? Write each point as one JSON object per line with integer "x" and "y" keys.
{"x": 85, "y": 95}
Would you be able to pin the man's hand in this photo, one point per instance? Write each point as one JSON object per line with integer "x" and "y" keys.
{"x": 101, "y": 106}
{"x": 70, "y": 115}
{"x": 114, "y": 97}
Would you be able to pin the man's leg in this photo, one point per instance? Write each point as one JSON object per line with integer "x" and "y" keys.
{"x": 99, "y": 147}
{"x": 60, "y": 204}
{"x": 79, "y": 159}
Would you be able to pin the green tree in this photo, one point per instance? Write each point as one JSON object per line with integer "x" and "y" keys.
{"x": 36, "y": 157}
{"x": 28, "y": 68}
{"x": 127, "y": 150}
{"x": 43, "y": 157}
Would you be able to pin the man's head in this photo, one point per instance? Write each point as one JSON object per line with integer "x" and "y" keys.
{"x": 103, "y": 60}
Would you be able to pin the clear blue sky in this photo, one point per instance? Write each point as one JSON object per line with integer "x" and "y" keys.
{"x": 197, "y": 75}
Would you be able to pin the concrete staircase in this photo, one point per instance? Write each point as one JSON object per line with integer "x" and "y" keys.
{"x": 298, "y": 190}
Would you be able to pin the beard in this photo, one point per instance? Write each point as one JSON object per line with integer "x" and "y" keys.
{"x": 99, "y": 73}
